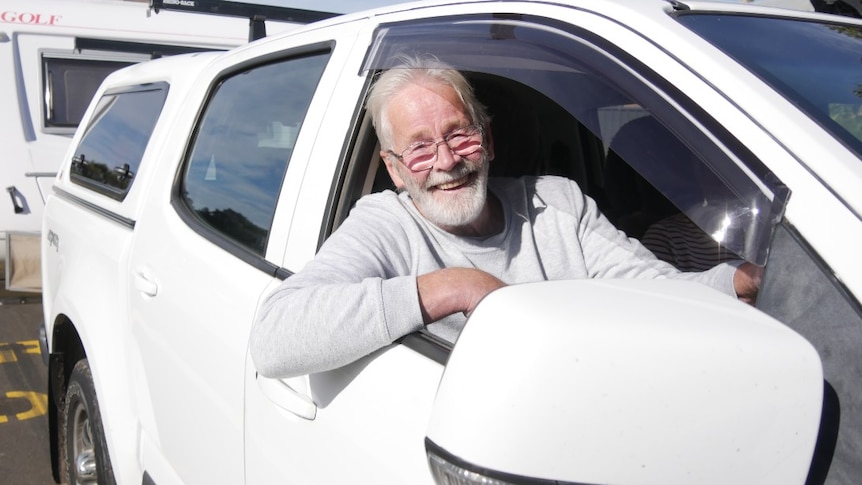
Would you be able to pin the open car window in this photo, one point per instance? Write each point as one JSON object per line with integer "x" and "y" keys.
{"x": 565, "y": 102}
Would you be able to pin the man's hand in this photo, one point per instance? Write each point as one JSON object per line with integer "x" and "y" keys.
{"x": 746, "y": 282}
{"x": 452, "y": 290}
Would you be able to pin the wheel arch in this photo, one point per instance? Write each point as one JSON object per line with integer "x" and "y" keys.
{"x": 70, "y": 343}
{"x": 66, "y": 350}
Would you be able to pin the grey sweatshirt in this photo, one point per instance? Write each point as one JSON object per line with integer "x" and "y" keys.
{"x": 359, "y": 293}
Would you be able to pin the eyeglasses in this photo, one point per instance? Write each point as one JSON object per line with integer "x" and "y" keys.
{"x": 422, "y": 155}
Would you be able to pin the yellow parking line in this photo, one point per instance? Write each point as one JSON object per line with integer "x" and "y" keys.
{"x": 7, "y": 350}
{"x": 30, "y": 346}
{"x": 7, "y": 355}
{"x": 38, "y": 404}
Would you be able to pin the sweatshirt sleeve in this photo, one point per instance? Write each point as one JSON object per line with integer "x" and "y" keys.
{"x": 609, "y": 253}
{"x": 355, "y": 297}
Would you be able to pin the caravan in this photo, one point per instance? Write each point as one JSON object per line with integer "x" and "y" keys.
{"x": 53, "y": 56}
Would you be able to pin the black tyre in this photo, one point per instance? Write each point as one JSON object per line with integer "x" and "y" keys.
{"x": 84, "y": 450}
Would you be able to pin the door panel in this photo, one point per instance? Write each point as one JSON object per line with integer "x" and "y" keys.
{"x": 191, "y": 308}
{"x": 370, "y": 421}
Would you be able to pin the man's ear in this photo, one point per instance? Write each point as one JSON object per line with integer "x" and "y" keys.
{"x": 489, "y": 141}
{"x": 393, "y": 172}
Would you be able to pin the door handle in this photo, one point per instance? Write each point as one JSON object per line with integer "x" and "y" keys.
{"x": 282, "y": 395}
{"x": 144, "y": 284}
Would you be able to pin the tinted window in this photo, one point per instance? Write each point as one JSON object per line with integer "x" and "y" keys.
{"x": 112, "y": 146}
{"x": 70, "y": 85}
{"x": 814, "y": 64}
{"x": 243, "y": 145}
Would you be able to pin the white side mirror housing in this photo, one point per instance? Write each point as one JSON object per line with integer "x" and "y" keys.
{"x": 629, "y": 382}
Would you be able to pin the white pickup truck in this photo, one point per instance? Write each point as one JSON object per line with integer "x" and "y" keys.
{"x": 197, "y": 183}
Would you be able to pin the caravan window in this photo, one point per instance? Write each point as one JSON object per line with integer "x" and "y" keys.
{"x": 69, "y": 85}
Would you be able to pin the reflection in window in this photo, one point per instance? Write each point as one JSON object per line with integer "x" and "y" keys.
{"x": 243, "y": 145}
{"x": 814, "y": 64}
{"x": 113, "y": 144}
{"x": 848, "y": 116}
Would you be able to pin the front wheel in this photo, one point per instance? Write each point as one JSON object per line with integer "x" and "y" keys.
{"x": 85, "y": 452}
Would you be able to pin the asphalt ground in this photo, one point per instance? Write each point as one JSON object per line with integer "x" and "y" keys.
{"x": 24, "y": 451}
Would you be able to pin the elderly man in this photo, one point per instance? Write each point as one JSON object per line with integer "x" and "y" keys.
{"x": 429, "y": 254}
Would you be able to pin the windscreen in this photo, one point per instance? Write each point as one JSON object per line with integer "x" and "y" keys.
{"x": 816, "y": 65}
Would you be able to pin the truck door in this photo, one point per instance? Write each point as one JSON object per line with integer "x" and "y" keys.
{"x": 197, "y": 268}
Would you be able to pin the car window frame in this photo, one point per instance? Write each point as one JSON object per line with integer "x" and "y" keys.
{"x": 178, "y": 202}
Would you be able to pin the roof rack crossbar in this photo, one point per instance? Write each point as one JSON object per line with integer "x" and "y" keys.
{"x": 255, "y": 13}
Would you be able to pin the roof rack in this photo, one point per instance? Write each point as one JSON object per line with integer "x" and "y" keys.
{"x": 255, "y": 13}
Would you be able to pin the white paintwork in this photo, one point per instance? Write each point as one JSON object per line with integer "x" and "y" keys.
{"x": 164, "y": 315}
{"x": 677, "y": 385}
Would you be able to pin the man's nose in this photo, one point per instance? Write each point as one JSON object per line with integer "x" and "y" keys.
{"x": 446, "y": 158}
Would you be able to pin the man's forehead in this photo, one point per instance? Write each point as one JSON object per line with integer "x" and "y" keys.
{"x": 428, "y": 92}
{"x": 423, "y": 110}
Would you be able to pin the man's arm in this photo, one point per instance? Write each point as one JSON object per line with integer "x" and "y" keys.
{"x": 452, "y": 290}
{"x": 357, "y": 295}
{"x": 609, "y": 253}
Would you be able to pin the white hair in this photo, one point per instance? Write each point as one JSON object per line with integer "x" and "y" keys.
{"x": 412, "y": 70}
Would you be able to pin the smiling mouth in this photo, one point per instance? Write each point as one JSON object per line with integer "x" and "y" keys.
{"x": 456, "y": 184}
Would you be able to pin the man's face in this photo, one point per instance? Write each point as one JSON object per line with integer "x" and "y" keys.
{"x": 453, "y": 192}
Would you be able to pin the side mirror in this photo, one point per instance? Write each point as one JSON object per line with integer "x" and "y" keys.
{"x": 626, "y": 381}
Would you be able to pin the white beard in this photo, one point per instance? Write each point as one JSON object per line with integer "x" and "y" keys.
{"x": 454, "y": 210}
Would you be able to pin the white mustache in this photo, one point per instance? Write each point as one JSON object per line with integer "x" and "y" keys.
{"x": 463, "y": 169}
{"x": 440, "y": 178}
